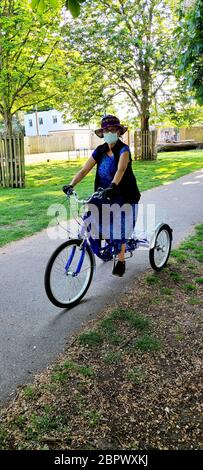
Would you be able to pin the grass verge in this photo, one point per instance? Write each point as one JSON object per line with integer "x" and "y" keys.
{"x": 24, "y": 211}
{"x": 131, "y": 380}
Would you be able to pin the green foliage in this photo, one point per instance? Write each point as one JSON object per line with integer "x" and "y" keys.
{"x": 179, "y": 255}
{"x": 28, "y": 392}
{"x": 176, "y": 276}
{"x": 152, "y": 279}
{"x": 147, "y": 342}
{"x": 108, "y": 329}
{"x": 92, "y": 338}
{"x": 87, "y": 371}
{"x": 85, "y": 97}
{"x": 72, "y": 5}
{"x": 60, "y": 376}
{"x": 127, "y": 315}
{"x": 108, "y": 326}
{"x": 43, "y": 423}
{"x": 194, "y": 301}
{"x": 190, "y": 36}
{"x": 118, "y": 49}
{"x": 44, "y": 182}
{"x": 166, "y": 290}
{"x": 62, "y": 373}
{"x": 31, "y": 58}
{"x": 179, "y": 110}
{"x": 93, "y": 417}
{"x": 189, "y": 287}
{"x": 42, "y": 5}
{"x": 116, "y": 340}
{"x": 130, "y": 316}
{"x": 113, "y": 357}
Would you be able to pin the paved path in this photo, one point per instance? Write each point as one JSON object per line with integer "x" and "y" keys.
{"x": 33, "y": 331}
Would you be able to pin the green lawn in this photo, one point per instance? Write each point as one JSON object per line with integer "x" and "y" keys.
{"x": 24, "y": 211}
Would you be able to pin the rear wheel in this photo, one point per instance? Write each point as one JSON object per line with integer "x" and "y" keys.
{"x": 159, "y": 254}
{"x": 64, "y": 286}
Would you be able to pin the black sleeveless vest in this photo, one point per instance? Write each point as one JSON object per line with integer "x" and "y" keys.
{"x": 127, "y": 187}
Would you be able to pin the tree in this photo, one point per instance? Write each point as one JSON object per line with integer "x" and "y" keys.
{"x": 85, "y": 101}
{"x": 177, "y": 108}
{"x": 130, "y": 43}
{"x": 190, "y": 38}
{"x": 30, "y": 58}
{"x": 177, "y": 114}
{"x": 72, "y": 5}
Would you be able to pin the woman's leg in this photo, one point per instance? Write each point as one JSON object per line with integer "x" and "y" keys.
{"x": 121, "y": 255}
{"x": 133, "y": 214}
{"x": 119, "y": 267}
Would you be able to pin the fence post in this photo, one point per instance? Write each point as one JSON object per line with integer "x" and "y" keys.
{"x": 136, "y": 145}
{"x": 154, "y": 144}
{"x": 145, "y": 145}
{"x": 12, "y": 161}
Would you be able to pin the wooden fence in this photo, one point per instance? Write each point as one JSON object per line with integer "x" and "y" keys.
{"x": 12, "y": 161}
{"x": 145, "y": 145}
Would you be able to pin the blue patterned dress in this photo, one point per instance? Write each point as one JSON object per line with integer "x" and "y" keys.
{"x": 106, "y": 171}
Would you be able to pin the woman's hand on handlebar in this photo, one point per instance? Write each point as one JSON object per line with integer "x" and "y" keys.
{"x": 68, "y": 189}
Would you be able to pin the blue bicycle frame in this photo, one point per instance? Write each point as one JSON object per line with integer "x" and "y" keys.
{"x": 106, "y": 252}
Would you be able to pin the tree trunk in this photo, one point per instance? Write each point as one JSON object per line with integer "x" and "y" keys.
{"x": 145, "y": 122}
{"x": 144, "y": 138}
{"x": 145, "y": 147}
{"x": 8, "y": 123}
{"x": 148, "y": 151}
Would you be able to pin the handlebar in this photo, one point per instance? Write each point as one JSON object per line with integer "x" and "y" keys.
{"x": 85, "y": 201}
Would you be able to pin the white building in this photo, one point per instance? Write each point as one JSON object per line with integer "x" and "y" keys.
{"x": 45, "y": 131}
{"x": 44, "y": 123}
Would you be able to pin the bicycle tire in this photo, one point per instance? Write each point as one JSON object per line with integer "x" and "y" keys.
{"x": 47, "y": 276}
{"x": 152, "y": 258}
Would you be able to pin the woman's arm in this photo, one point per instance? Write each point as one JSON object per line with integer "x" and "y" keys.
{"x": 122, "y": 165}
{"x": 84, "y": 170}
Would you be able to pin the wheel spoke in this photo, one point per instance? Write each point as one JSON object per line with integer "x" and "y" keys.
{"x": 162, "y": 248}
{"x": 66, "y": 288}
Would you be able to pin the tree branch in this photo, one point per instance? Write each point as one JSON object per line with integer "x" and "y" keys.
{"x": 130, "y": 96}
{"x": 112, "y": 7}
{"x": 18, "y": 52}
{"x": 159, "y": 86}
{"x": 36, "y": 54}
{"x": 123, "y": 13}
{"x": 33, "y": 103}
{"x": 32, "y": 76}
{"x": 108, "y": 67}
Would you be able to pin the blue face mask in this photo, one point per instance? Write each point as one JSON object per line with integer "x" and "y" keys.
{"x": 110, "y": 137}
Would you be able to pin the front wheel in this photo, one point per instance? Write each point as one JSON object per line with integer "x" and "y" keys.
{"x": 69, "y": 273}
{"x": 159, "y": 254}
